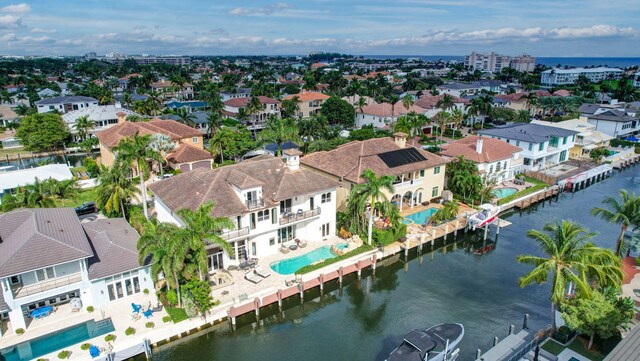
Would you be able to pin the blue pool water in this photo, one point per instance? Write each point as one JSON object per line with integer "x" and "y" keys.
{"x": 342, "y": 246}
{"x": 420, "y": 217}
{"x": 291, "y": 265}
{"x": 504, "y": 192}
{"x": 43, "y": 345}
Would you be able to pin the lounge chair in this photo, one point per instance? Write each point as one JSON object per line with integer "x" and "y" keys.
{"x": 261, "y": 272}
{"x": 94, "y": 351}
{"x": 148, "y": 313}
{"x": 252, "y": 277}
{"x": 136, "y": 308}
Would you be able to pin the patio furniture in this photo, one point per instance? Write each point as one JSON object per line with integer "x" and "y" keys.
{"x": 94, "y": 351}
{"x": 136, "y": 308}
{"x": 289, "y": 283}
{"x": 158, "y": 308}
{"x": 299, "y": 213}
{"x": 247, "y": 264}
{"x": 76, "y": 304}
{"x": 233, "y": 268}
{"x": 284, "y": 249}
{"x": 41, "y": 312}
{"x": 252, "y": 277}
{"x": 148, "y": 313}
{"x": 135, "y": 316}
{"x": 302, "y": 244}
{"x": 293, "y": 247}
{"x": 261, "y": 272}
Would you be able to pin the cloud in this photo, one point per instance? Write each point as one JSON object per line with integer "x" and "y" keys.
{"x": 17, "y": 8}
{"x": 10, "y": 22}
{"x": 265, "y": 10}
{"x": 217, "y": 31}
{"x": 43, "y": 31}
{"x": 8, "y": 37}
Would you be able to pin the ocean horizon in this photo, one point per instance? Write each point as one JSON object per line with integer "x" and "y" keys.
{"x": 619, "y": 62}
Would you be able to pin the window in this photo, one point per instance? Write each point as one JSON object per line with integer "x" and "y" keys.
{"x": 491, "y": 169}
{"x": 325, "y": 230}
{"x": 563, "y": 155}
{"x": 564, "y": 140}
{"x": 517, "y": 143}
{"x": 541, "y": 147}
{"x": 274, "y": 215}
{"x": 272, "y": 241}
{"x": 263, "y": 215}
{"x": 194, "y": 139}
{"x": 421, "y": 173}
{"x": 436, "y": 170}
{"x": 45, "y": 274}
{"x": 286, "y": 234}
{"x": 326, "y": 197}
{"x": 530, "y": 146}
{"x": 553, "y": 142}
{"x": 435, "y": 191}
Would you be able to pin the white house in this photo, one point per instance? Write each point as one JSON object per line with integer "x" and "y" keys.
{"x": 542, "y": 146}
{"x": 11, "y": 180}
{"x": 271, "y": 203}
{"x": 270, "y": 106}
{"x": 381, "y": 114}
{"x": 618, "y": 123}
{"x": 496, "y": 160}
{"x": 557, "y": 76}
{"x": 65, "y": 104}
{"x": 47, "y": 257}
{"x": 103, "y": 117}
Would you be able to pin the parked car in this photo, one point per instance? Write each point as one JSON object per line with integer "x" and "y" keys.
{"x": 164, "y": 176}
{"x": 86, "y": 208}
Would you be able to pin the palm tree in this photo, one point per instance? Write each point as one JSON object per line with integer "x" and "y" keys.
{"x": 393, "y": 99}
{"x": 473, "y": 110}
{"x": 310, "y": 129}
{"x": 185, "y": 117}
{"x": 571, "y": 259}
{"x": 446, "y": 103}
{"x": 83, "y": 126}
{"x": 214, "y": 123}
{"x": 39, "y": 194}
{"x": 115, "y": 189}
{"x": 374, "y": 185}
{"x": 162, "y": 144}
{"x": 443, "y": 118}
{"x": 255, "y": 107}
{"x": 625, "y": 212}
{"x": 362, "y": 102}
{"x": 279, "y": 130}
{"x": 408, "y": 101}
{"x": 243, "y": 115}
{"x": 136, "y": 152}
{"x": 523, "y": 116}
{"x": 22, "y": 110}
{"x": 126, "y": 99}
{"x": 220, "y": 141}
{"x": 200, "y": 230}
{"x": 64, "y": 189}
{"x": 456, "y": 119}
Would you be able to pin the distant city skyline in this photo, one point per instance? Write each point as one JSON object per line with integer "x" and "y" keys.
{"x": 587, "y": 28}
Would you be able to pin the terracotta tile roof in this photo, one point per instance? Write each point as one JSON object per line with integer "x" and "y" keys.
{"x": 187, "y": 153}
{"x": 350, "y": 160}
{"x": 165, "y": 84}
{"x": 513, "y": 97}
{"x": 492, "y": 149}
{"x": 561, "y": 93}
{"x": 243, "y": 102}
{"x": 112, "y": 136}
{"x": 191, "y": 189}
{"x": 132, "y": 75}
{"x": 428, "y": 101}
{"x": 385, "y": 109}
{"x": 308, "y": 96}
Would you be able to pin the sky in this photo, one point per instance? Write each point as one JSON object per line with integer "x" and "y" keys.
{"x": 583, "y": 28}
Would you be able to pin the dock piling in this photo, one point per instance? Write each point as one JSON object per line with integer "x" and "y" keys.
{"x": 526, "y": 320}
{"x": 495, "y": 341}
{"x": 511, "y": 328}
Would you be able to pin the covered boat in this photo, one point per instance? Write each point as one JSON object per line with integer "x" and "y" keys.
{"x": 437, "y": 343}
{"x": 488, "y": 213}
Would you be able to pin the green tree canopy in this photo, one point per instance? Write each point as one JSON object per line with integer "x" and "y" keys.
{"x": 338, "y": 111}
{"x": 463, "y": 179}
{"x": 42, "y": 132}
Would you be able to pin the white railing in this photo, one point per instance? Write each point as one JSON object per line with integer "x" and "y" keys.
{"x": 24, "y": 291}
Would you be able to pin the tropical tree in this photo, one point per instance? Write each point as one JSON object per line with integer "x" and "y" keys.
{"x": 115, "y": 189}
{"x": 408, "y": 101}
{"x": 64, "y": 189}
{"x": 162, "y": 144}
{"x": 570, "y": 259}
{"x": 184, "y": 116}
{"x": 279, "y": 130}
{"x": 135, "y": 152}
{"x": 214, "y": 123}
{"x": 42, "y": 132}
{"x": 373, "y": 185}
{"x": 523, "y": 116}
{"x": 625, "y": 212}
{"x": 83, "y": 126}
{"x": 446, "y": 103}
{"x": 220, "y": 141}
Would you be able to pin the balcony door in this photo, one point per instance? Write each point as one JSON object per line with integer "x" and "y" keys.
{"x": 285, "y": 206}
{"x": 215, "y": 260}
{"x": 123, "y": 285}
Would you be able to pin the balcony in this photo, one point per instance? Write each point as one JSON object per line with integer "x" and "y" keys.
{"x": 24, "y": 291}
{"x": 254, "y": 203}
{"x": 290, "y": 217}
{"x": 405, "y": 184}
{"x": 236, "y": 233}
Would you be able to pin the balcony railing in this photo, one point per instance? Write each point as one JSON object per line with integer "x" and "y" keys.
{"x": 24, "y": 291}
{"x": 254, "y": 203}
{"x": 406, "y": 183}
{"x": 298, "y": 216}
{"x": 235, "y": 233}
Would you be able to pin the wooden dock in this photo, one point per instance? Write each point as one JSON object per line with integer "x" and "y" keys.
{"x": 626, "y": 162}
{"x": 536, "y": 198}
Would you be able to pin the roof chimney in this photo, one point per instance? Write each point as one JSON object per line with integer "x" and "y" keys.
{"x": 122, "y": 117}
{"x": 479, "y": 142}
{"x": 293, "y": 158}
{"x": 400, "y": 138}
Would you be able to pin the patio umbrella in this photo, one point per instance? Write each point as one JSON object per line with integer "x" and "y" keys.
{"x": 536, "y": 352}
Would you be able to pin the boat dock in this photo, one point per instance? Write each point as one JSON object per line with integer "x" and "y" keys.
{"x": 587, "y": 178}
{"x": 626, "y": 162}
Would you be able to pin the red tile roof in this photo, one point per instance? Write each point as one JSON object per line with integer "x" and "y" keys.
{"x": 492, "y": 149}
{"x": 308, "y": 96}
{"x": 112, "y": 136}
{"x": 187, "y": 153}
{"x": 428, "y": 101}
{"x": 387, "y": 110}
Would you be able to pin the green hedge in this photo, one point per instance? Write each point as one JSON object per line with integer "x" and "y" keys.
{"x": 522, "y": 193}
{"x": 388, "y": 236}
{"x": 326, "y": 262}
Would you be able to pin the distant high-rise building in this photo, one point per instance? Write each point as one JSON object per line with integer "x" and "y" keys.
{"x": 144, "y": 60}
{"x": 90, "y": 56}
{"x": 556, "y": 76}
{"x": 523, "y": 62}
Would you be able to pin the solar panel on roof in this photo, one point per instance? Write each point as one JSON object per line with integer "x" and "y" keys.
{"x": 396, "y": 158}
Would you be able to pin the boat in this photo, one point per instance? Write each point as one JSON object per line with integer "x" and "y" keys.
{"x": 488, "y": 213}
{"x": 437, "y": 343}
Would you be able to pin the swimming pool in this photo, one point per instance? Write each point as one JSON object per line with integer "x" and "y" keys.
{"x": 342, "y": 246}
{"x": 504, "y": 192}
{"x": 58, "y": 340}
{"x": 420, "y": 217}
{"x": 291, "y": 265}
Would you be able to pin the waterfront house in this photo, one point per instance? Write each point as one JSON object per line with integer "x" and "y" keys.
{"x": 237, "y": 93}
{"x": 270, "y": 107}
{"x": 430, "y": 103}
{"x": 103, "y": 117}
{"x": 587, "y": 139}
{"x": 419, "y": 174}
{"x": 542, "y": 146}
{"x": 47, "y": 257}
{"x": 188, "y": 153}
{"x": 65, "y": 104}
{"x": 270, "y": 201}
{"x": 11, "y": 180}
{"x": 497, "y": 160}
{"x": 618, "y": 120}
{"x": 8, "y": 140}
{"x": 381, "y": 114}
{"x": 309, "y": 103}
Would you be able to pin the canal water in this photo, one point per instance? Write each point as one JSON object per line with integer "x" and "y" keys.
{"x": 367, "y": 319}
{"x": 72, "y": 160}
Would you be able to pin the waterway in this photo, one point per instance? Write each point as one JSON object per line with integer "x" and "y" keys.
{"x": 367, "y": 319}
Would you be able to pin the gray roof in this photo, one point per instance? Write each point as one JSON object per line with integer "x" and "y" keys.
{"x": 613, "y": 115}
{"x": 115, "y": 244}
{"x": 461, "y": 86}
{"x": 589, "y": 108}
{"x": 66, "y": 99}
{"x": 495, "y": 100}
{"x": 533, "y": 133}
{"x": 40, "y": 237}
{"x": 628, "y": 349}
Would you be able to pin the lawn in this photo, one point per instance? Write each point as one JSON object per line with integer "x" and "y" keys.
{"x": 537, "y": 185}
{"x": 85, "y": 195}
{"x": 577, "y": 345}
{"x": 177, "y": 314}
{"x": 13, "y": 152}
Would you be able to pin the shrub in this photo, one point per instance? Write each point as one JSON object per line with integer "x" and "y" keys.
{"x": 312, "y": 267}
{"x": 130, "y": 331}
{"x": 42, "y": 359}
{"x": 172, "y": 297}
{"x": 166, "y": 319}
{"x": 176, "y": 314}
{"x": 387, "y": 236}
{"x": 90, "y": 309}
{"x": 638, "y": 261}
{"x": 91, "y": 165}
{"x": 19, "y": 331}
{"x": 64, "y": 354}
{"x": 149, "y": 325}
{"x": 110, "y": 338}
{"x": 145, "y": 291}
{"x": 344, "y": 234}
{"x": 85, "y": 346}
